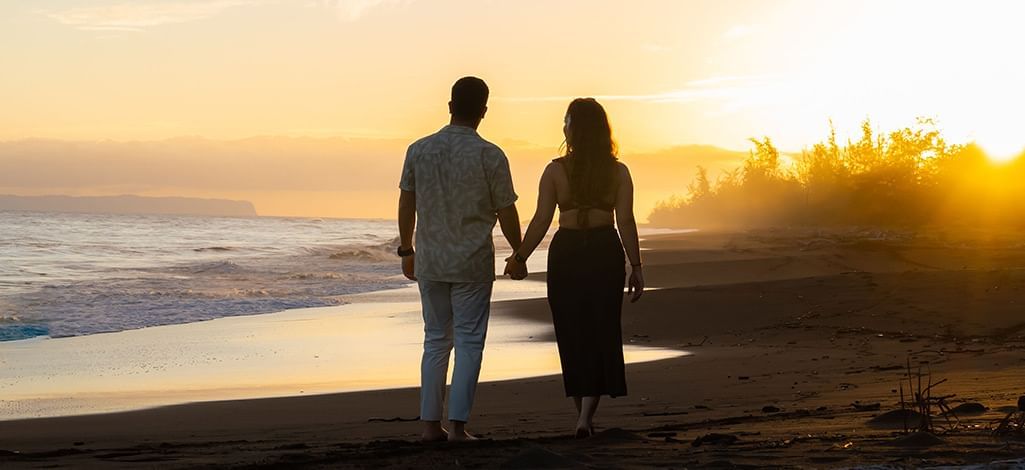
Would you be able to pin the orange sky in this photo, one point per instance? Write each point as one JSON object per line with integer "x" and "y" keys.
{"x": 344, "y": 84}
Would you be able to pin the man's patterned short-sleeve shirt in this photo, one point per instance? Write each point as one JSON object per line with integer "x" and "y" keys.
{"x": 460, "y": 181}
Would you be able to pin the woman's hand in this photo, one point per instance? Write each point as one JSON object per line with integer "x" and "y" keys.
{"x": 635, "y": 286}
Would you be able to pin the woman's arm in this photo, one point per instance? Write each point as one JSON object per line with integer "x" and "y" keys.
{"x": 546, "y": 201}
{"x": 628, "y": 231}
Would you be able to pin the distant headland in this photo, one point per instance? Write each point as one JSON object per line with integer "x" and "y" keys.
{"x": 129, "y": 204}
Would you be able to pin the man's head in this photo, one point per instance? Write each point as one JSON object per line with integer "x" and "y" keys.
{"x": 469, "y": 100}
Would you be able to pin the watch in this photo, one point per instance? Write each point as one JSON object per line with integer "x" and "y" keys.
{"x": 519, "y": 258}
{"x": 404, "y": 253}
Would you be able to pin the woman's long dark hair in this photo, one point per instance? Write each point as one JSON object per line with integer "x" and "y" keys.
{"x": 592, "y": 151}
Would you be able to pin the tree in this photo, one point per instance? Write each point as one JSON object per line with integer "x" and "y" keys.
{"x": 700, "y": 188}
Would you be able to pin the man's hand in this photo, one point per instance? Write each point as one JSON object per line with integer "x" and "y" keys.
{"x": 516, "y": 270}
{"x": 408, "y": 263}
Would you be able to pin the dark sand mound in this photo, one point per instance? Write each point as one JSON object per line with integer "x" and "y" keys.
{"x": 966, "y": 409}
{"x": 897, "y": 419}
{"x": 715, "y": 438}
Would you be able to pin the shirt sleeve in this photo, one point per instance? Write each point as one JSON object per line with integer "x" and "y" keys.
{"x": 500, "y": 179}
{"x": 407, "y": 182}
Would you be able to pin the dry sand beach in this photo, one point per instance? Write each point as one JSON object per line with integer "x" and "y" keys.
{"x": 789, "y": 330}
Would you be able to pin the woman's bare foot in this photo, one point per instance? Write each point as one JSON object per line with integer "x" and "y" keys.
{"x": 587, "y": 406}
{"x": 584, "y": 431}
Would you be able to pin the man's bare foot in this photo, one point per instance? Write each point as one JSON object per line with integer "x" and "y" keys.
{"x": 461, "y": 436}
{"x": 433, "y": 436}
{"x": 433, "y": 432}
{"x": 584, "y": 431}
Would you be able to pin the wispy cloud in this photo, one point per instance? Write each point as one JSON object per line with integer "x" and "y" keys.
{"x": 720, "y": 80}
{"x": 139, "y": 16}
{"x": 726, "y": 88}
{"x": 353, "y": 10}
{"x": 674, "y": 96}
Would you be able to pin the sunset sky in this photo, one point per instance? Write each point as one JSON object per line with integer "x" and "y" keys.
{"x": 269, "y": 94}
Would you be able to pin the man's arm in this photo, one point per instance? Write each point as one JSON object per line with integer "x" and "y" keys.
{"x": 504, "y": 197}
{"x": 509, "y": 219}
{"x": 407, "y": 222}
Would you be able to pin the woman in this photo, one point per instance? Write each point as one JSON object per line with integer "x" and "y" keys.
{"x": 593, "y": 192}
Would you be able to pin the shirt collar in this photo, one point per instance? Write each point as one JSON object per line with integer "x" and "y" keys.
{"x": 456, "y": 129}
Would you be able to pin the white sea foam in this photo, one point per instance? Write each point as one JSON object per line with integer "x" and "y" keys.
{"x": 75, "y": 274}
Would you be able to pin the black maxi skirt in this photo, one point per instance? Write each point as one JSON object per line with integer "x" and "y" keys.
{"x": 586, "y": 273}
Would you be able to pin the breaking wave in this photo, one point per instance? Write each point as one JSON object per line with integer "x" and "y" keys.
{"x": 203, "y": 268}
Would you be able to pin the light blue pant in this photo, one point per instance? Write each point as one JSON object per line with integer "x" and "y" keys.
{"x": 454, "y": 313}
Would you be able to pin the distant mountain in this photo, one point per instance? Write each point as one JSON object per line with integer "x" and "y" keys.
{"x": 129, "y": 205}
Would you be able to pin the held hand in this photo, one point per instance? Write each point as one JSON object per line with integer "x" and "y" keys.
{"x": 408, "y": 264}
{"x": 521, "y": 272}
{"x": 516, "y": 270}
{"x": 636, "y": 284}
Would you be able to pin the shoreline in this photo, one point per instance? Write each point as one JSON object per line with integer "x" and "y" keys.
{"x": 299, "y": 352}
{"x": 277, "y": 286}
{"x": 789, "y": 329}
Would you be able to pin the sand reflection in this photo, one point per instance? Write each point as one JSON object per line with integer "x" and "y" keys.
{"x": 361, "y": 346}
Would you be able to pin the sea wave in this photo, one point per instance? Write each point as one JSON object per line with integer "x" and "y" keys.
{"x": 362, "y": 254}
{"x": 377, "y": 253}
{"x": 213, "y": 248}
{"x": 216, "y": 267}
{"x": 160, "y": 271}
{"x": 19, "y": 332}
{"x": 324, "y": 275}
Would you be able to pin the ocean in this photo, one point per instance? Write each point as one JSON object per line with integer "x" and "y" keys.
{"x": 77, "y": 274}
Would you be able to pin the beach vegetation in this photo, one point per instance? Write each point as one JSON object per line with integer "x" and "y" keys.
{"x": 907, "y": 177}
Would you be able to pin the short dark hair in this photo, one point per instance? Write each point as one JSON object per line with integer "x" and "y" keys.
{"x": 469, "y": 98}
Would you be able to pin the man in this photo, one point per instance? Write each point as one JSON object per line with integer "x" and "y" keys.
{"x": 454, "y": 186}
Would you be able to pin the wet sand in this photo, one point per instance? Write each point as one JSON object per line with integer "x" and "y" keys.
{"x": 789, "y": 330}
{"x": 373, "y": 342}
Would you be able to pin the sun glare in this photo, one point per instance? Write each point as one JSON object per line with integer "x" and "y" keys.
{"x": 1003, "y": 151}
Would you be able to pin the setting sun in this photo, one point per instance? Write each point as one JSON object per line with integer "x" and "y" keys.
{"x": 1003, "y": 151}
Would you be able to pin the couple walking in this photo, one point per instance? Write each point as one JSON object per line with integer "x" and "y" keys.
{"x": 454, "y": 187}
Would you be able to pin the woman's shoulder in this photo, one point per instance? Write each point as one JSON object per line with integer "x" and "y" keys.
{"x": 558, "y": 163}
{"x": 553, "y": 166}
